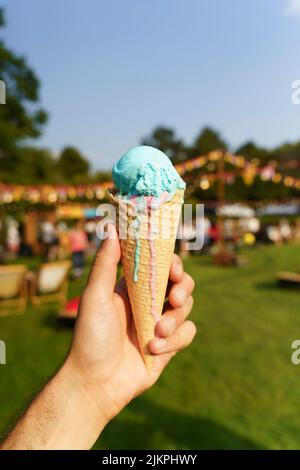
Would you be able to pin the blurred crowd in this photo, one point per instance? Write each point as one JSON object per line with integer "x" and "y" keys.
{"x": 55, "y": 241}
{"x": 204, "y": 234}
{"x": 78, "y": 240}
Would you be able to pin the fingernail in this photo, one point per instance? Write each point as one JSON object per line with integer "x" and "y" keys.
{"x": 169, "y": 325}
{"x": 181, "y": 295}
{"x": 160, "y": 344}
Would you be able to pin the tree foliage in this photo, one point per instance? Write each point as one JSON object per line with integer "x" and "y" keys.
{"x": 71, "y": 165}
{"x": 206, "y": 141}
{"x": 252, "y": 152}
{"x": 165, "y": 139}
{"x": 20, "y": 117}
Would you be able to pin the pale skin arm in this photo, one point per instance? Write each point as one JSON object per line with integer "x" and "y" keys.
{"x": 104, "y": 369}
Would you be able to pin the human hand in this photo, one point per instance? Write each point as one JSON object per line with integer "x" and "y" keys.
{"x": 104, "y": 369}
{"x": 105, "y": 356}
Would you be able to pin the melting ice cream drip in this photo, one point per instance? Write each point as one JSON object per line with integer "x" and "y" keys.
{"x": 137, "y": 252}
{"x": 139, "y": 204}
{"x": 142, "y": 205}
{"x": 152, "y": 267}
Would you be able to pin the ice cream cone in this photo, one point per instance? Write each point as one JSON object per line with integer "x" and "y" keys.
{"x": 146, "y": 258}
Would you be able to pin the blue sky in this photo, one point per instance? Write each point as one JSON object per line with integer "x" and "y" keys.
{"x": 112, "y": 70}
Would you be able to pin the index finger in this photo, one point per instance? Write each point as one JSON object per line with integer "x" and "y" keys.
{"x": 176, "y": 270}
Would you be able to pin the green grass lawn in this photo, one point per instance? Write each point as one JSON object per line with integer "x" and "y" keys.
{"x": 234, "y": 388}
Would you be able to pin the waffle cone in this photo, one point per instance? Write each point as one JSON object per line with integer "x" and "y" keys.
{"x": 148, "y": 289}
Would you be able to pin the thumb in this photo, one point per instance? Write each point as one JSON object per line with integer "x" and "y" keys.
{"x": 103, "y": 275}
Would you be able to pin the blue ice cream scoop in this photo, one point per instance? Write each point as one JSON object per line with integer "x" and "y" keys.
{"x": 146, "y": 171}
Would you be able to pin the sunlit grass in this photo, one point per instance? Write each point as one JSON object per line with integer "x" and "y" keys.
{"x": 235, "y": 387}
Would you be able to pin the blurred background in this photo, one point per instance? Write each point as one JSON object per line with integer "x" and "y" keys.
{"x": 215, "y": 85}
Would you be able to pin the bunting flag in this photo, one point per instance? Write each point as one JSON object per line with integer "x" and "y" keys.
{"x": 52, "y": 194}
{"x": 248, "y": 170}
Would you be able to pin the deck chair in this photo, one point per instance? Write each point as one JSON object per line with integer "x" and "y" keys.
{"x": 288, "y": 279}
{"x": 50, "y": 283}
{"x": 13, "y": 290}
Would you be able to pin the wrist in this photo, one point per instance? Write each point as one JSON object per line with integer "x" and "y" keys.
{"x": 63, "y": 416}
{"x": 78, "y": 409}
{"x": 93, "y": 394}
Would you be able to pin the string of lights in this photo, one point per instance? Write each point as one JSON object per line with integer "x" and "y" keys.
{"x": 247, "y": 169}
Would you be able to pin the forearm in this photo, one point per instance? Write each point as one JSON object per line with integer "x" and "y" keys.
{"x": 63, "y": 416}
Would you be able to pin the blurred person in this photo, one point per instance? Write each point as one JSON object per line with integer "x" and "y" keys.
{"x": 249, "y": 224}
{"x": 49, "y": 239}
{"x": 229, "y": 229}
{"x": 296, "y": 231}
{"x": 203, "y": 226}
{"x": 90, "y": 230}
{"x": 64, "y": 240}
{"x": 206, "y": 229}
{"x": 104, "y": 369}
{"x": 214, "y": 232}
{"x": 254, "y": 225}
{"x": 54, "y": 249}
{"x": 285, "y": 230}
{"x": 13, "y": 238}
{"x": 25, "y": 249}
{"x": 78, "y": 247}
{"x": 187, "y": 234}
{"x": 273, "y": 234}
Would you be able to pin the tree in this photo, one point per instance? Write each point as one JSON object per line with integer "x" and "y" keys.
{"x": 164, "y": 138}
{"x": 251, "y": 151}
{"x": 206, "y": 141}
{"x": 72, "y": 165}
{"x": 101, "y": 176}
{"x": 20, "y": 117}
{"x": 288, "y": 151}
{"x": 36, "y": 166}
